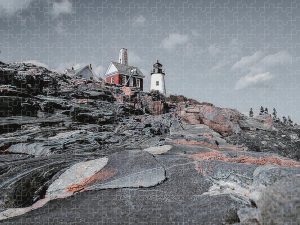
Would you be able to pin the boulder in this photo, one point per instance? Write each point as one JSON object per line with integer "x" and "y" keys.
{"x": 157, "y": 150}
{"x": 138, "y": 169}
{"x": 221, "y": 120}
{"x": 262, "y": 122}
{"x": 77, "y": 173}
{"x": 36, "y": 149}
{"x": 279, "y": 203}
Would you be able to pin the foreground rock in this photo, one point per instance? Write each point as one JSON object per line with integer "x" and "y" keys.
{"x": 77, "y": 173}
{"x": 278, "y": 203}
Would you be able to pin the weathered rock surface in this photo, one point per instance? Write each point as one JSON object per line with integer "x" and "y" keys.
{"x": 221, "y": 120}
{"x": 279, "y": 204}
{"x": 88, "y": 153}
{"x": 158, "y": 149}
{"x": 15, "y": 106}
{"x": 261, "y": 122}
{"x": 80, "y": 172}
{"x": 138, "y": 169}
{"x": 282, "y": 140}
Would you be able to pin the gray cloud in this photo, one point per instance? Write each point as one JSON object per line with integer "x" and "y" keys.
{"x": 214, "y": 50}
{"x": 258, "y": 67}
{"x": 253, "y": 80}
{"x": 10, "y": 7}
{"x": 134, "y": 58}
{"x": 224, "y": 55}
{"x": 279, "y": 58}
{"x": 174, "y": 40}
{"x": 60, "y": 28}
{"x": 62, "y": 7}
{"x": 248, "y": 61}
{"x": 139, "y": 21}
{"x": 260, "y": 61}
{"x": 99, "y": 70}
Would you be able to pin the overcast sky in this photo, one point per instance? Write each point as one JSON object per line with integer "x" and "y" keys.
{"x": 237, "y": 54}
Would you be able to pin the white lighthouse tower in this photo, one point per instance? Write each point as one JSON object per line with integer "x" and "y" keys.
{"x": 158, "y": 78}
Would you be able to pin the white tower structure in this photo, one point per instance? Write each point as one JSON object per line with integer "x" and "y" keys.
{"x": 158, "y": 79}
{"x": 123, "y": 57}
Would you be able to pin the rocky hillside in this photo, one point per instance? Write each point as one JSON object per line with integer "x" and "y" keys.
{"x": 81, "y": 152}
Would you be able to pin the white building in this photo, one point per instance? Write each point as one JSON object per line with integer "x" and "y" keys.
{"x": 120, "y": 73}
{"x": 85, "y": 72}
{"x": 158, "y": 79}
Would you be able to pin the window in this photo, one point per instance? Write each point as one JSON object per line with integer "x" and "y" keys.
{"x": 131, "y": 82}
{"x": 138, "y": 83}
{"x": 124, "y": 80}
{"x": 112, "y": 80}
{"x": 157, "y": 83}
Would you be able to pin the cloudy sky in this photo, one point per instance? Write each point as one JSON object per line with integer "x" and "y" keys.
{"x": 237, "y": 54}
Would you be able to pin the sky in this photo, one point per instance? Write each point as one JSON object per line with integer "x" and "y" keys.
{"x": 232, "y": 53}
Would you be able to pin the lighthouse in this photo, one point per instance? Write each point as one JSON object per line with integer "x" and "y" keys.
{"x": 158, "y": 78}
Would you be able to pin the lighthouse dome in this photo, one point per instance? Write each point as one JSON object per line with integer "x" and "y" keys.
{"x": 157, "y": 68}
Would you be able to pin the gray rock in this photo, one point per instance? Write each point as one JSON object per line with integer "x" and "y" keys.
{"x": 138, "y": 169}
{"x": 249, "y": 216}
{"x": 260, "y": 123}
{"x": 278, "y": 141}
{"x": 268, "y": 175}
{"x": 36, "y": 149}
{"x": 157, "y": 150}
{"x": 279, "y": 204}
{"x": 14, "y": 106}
{"x": 161, "y": 169}
{"x": 77, "y": 173}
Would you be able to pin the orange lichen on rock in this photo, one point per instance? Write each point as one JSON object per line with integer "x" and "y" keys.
{"x": 267, "y": 160}
{"x": 208, "y": 156}
{"x": 219, "y": 127}
{"x": 233, "y": 148}
{"x": 223, "y": 121}
{"x": 102, "y": 175}
{"x": 214, "y": 155}
{"x": 193, "y": 142}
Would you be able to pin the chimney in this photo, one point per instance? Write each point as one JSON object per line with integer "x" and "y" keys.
{"x": 123, "y": 57}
